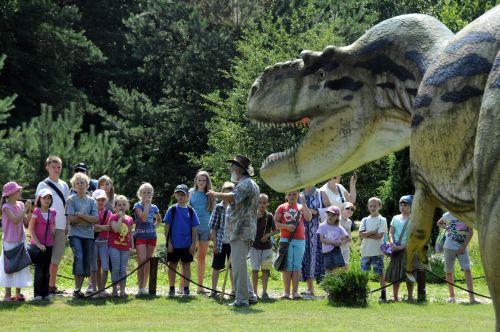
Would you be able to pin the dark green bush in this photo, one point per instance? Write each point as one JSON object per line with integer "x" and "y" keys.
{"x": 348, "y": 288}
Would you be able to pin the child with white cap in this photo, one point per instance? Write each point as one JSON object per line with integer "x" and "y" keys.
{"x": 41, "y": 228}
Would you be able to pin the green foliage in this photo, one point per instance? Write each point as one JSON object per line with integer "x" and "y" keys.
{"x": 271, "y": 39}
{"x": 347, "y": 288}
{"x": 43, "y": 49}
{"x": 45, "y": 135}
{"x": 456, "y": 14}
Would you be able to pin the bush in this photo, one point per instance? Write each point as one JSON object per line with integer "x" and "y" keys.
{"x": 347, "y": 288}
{"x": 436, "y": 265}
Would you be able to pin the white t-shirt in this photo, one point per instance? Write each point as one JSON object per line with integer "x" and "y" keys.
{"x": 333, "y": 195}
{"x": 57, "y": 203}
{"x": 371, "y": 247}
{"x": 346, "y": 224}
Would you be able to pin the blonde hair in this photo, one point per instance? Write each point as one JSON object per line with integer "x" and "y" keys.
{"x": 122, "y": 198}
{"x": 375, "y": 199}
{"x": 53, "y": 160}
{"x": 264, "y": 196}
{"x": 227, "y": 185}
{"x": 144, "y": 186}
{"x": 211, "y": 201}
{"x": 101, "y": 182}
{"x": 79, "y": 176}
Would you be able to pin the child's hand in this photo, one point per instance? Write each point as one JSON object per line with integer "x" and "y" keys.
{"x": 264, "y": 238}
{"x": 27, "y": 206}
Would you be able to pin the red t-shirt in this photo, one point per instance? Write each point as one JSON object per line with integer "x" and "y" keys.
{"x": 289, "y": 213}
{"x": 121, "y": 240}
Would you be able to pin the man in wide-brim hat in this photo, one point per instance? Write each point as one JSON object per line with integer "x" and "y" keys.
{"x": 242, "y": 225}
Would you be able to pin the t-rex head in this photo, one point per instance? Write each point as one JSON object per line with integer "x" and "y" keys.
{"x": 357, "y": 100}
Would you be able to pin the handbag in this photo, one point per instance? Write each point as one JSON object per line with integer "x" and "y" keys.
{"x": 33, "y": 250}
{"x": 16, "y": 259}
{"x": 280, "y": 259}
{"x": 388, "y": 248}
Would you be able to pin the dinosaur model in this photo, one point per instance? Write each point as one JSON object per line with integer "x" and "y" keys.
{"x": 408, "y": 81}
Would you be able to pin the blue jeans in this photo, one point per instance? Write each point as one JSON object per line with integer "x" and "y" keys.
{"x": 83, "y": 251}
{"x": 101, "y": 252}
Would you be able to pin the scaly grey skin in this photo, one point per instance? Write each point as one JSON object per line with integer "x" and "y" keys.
{"x": 406, "y": 81}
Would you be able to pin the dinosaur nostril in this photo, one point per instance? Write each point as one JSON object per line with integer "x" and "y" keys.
{"x": 254, "y": 89}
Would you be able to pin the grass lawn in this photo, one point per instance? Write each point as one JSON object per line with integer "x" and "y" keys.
{"x": 202, "y": 313}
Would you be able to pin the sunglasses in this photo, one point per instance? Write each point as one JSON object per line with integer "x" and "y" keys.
{"x": 352, "y": 209}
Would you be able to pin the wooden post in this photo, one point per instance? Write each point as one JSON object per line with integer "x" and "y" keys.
{"x": 421, "y": 293}
{"x": 153, "y": 273}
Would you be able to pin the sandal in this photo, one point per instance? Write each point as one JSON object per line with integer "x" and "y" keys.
{"x": 285, "y": 296}
{"x": 297, "y": 297}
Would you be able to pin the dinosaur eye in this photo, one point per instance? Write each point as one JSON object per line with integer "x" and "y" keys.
{"x": 321, "y": 74}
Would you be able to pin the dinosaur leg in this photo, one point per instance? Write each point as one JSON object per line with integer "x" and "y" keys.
{"x": 487, "y": 174}
{"x": 422, "y": 212}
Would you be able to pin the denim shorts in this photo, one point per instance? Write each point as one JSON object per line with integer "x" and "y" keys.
{"x": 295, "y": 254}
{"x": 83, "y": 253}
{"x": 333, "y": 259}
{"x": 376, "y": 261}
{"x": 204, "y": 235}
{"x": 449, "y": 260}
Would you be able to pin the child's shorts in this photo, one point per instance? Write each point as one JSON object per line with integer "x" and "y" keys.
{"x": 449, "y": 260}
{"x": 181, "y": 254}
{"x": 295, "y": 254}
{"x": 376, "y": 261}
{"x": 219, "y": 260}
{"x": 333, "y": 259}
{"x": 147, "y": 242}
{"x": 204, "y": 235}
{"x": 261, "y": 259}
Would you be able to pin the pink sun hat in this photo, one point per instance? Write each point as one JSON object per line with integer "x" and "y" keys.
{"x": 9, "y": 188}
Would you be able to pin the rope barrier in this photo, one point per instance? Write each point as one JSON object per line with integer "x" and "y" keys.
{"x": 119, "y": 280}
{"x": 191, "y": 281}
{"x": 450, "y": 283}
{"x": 443, "y": 280}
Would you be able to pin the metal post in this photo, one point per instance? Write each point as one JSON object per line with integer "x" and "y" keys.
{"x": 153, "y": 272}
{"x": 421, "y": 293}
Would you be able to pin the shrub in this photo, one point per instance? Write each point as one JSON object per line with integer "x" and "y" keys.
{"x": 436, "y": 265}
{"x": 347, "y": 288}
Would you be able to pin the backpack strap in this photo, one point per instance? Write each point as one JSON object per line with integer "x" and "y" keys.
{"x": 340, "y": 194}
{"x": 58, "y": 192}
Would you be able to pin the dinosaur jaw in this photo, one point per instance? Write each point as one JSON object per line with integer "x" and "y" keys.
{"x": 334, "y": 145}
{"x": 295, "y": 167}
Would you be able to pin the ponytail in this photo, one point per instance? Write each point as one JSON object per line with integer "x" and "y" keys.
{"x": 2, "y": 202}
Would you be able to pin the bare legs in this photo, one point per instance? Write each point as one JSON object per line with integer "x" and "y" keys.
{"x": 201, "y": 255}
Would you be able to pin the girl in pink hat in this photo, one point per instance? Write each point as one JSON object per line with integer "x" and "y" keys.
{"x": 14, "y": 215}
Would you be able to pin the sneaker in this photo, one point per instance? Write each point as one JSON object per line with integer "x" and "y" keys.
{"x": 238, "y": 304}
{"x": 265, "y": 296}
{"x": 89, "y": 290}
{"x": 253, "y": 300}
{"x": 171, "y": 292}
{"x": 37, "y": 298}
{"x": 186, "y": 292}
{"x": 285, "y": 296}
{"x": 213, "y": 294}
{"x": 451, "y": 300}
{"x": 77, "y": 294}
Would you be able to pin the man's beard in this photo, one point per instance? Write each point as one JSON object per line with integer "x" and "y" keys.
{"x": 234, "y": 177}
